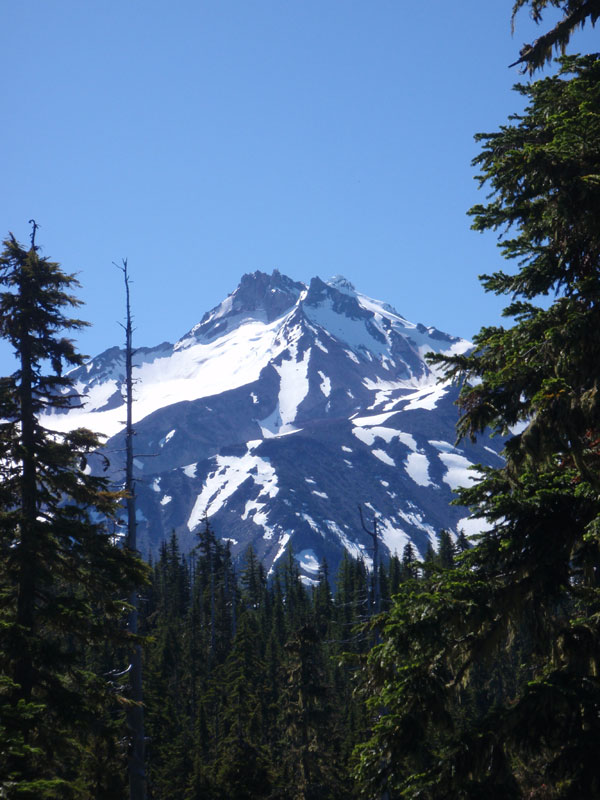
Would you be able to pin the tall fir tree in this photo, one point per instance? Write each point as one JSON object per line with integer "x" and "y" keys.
{"x": 63, "y": 582}
{"x": 531, "y": 586}
{"x": 310, "y": 768}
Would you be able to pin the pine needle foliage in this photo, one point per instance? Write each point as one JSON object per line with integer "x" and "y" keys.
{"x": 487, "y": 678}
{"x": 248, "y": 691}
{"x": 62, "y": 579}
{"x": 575, "y": 15}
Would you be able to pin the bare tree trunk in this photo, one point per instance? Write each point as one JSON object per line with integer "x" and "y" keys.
{"x": 374, "y": 535}
{"x": 135, "y": 715}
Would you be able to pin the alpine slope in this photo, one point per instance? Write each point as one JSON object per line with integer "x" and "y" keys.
{"x": 282, "y": 410}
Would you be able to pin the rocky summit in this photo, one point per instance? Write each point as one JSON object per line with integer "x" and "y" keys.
{"x": 281, "y": 411}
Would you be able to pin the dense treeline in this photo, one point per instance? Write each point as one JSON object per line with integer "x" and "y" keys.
{"x": 250, "y": 682}
{"x": 249, "y": 687}
{"x": 480, "y": 676}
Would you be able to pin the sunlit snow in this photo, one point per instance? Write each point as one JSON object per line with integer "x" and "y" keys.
{"x": 282, "y": 545}
{"x": 458, "y": 473}
{"x": 472, "y": 527}
{"x": 368, "y": 435}
{"x": 325, "y": 385}
{"x": 200, "y": 369}
{"x": 426, "y": 398}
{"x": 374, "y": 419}
{"x": 307, "y": 559}
{"x": 444, "y": 447}
{"x": 314, "y": 525}
{"x": 230, "y": 473}
{"x": 166, "y": 438}
{"x": 383, "y": 456}
{"x": 394, "y": 538}
{"x": 293, "y": 386}
{"x": 353, "y": 548}
{"x": 417, "y": 468}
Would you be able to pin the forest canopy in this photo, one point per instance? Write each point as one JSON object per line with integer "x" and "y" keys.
{"x": 488, "y": 673}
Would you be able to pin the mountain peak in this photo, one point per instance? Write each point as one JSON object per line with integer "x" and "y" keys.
{"x": 272, "y": 294}
{"x": 258, "y": 296}
{"x": 339, "y": 294}
{"x": 341, "y": 284}
{"x": 287, "y": 404}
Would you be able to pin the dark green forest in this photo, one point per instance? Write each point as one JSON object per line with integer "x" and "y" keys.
{"x": 253, "y": 684}
{"x": 468, "y": 672}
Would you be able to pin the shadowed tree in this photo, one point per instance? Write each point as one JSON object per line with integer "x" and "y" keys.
{"x": 528, "y": 593}
{"x": 575, "y": 15}
{"x": 63, "y": 583}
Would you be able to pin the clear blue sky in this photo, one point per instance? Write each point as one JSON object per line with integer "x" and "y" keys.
{"x": 202, "y": 139}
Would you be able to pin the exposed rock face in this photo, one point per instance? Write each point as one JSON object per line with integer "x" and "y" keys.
{"x": 285, "y": 407}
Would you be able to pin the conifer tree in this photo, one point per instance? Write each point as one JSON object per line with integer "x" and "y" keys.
{"x": 310, "y": 772}
{"x": 243, "y": 766}
{"x": 462, "y": 543}
{"x": 531, "y": 586}
{"x": 394, "y": 574}
{"x": 322, "y": 599}
{"x": 575, "y": 15}
{"x": 253, "y": 579}
{"x": 294, "y": 595}
{"x": 409, "y": 562}
{"x": 446, "y": 550}
{"x": 63, "y": 582}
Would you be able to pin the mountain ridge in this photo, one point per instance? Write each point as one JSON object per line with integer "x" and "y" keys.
{"x": 285, "y": 406}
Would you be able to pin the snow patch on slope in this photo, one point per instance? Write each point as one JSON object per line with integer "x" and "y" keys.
{"x": 293, "y": 386}
{"x": 457, "y": 470}
{"x": 187, "y": 373}
{"x": 166, "y": 439}
{"x": 350, "y": 331}
{"x": 285, "y": 537}
{"x": 394, "y": 538}
{"x": 383, "y": 456}
{"x": 325, "y": 385}
{"x": 368, "y": 431}
{"x": 354, "y": 549}
{"x": 426, "y": 398}
{"x": 308, "y": 561}
{"x": 417, "y": 468}
{"x": 229, "y": 475}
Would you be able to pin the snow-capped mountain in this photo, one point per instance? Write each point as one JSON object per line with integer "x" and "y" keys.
{"x": 281, "y": 410}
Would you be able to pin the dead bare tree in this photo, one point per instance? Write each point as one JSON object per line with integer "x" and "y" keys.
{"x": 373, "y": 534}
{"x": 135, "y": 714}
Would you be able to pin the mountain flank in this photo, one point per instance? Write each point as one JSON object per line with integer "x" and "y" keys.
{"x": 284, "y": 408}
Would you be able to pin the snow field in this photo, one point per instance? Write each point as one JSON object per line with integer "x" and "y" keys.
{"x": 230, "y": 473}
